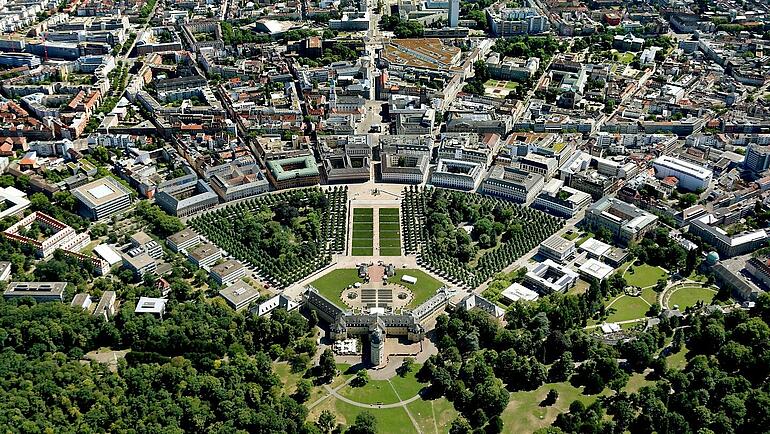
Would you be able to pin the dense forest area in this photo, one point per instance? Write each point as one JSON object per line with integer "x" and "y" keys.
{"x": 204, "y": 368}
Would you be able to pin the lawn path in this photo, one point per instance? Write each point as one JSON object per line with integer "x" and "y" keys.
{"x": 408, "y": 413}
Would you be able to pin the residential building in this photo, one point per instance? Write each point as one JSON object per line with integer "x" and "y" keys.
{"x": 628, "y": 42}
{"x": 506, "y": 22}
{"x": 454, "y": 13}
{"x": 204, "y": 255}
{"x": 228, "y": 272}
{"x": 691, "y": 176}
{"x": 83, "y": 301}
{"x": 102, "y": 198}
{"x": 239, "y": 295}
{"x": 548, "y": 277}
{"x": 39, "y": 291}
{"x": 183, "y": 240}
{"x": 512, "y": 184}
{"x": 624, "y": 221}
{"x": 557, "y": 248}
{"x": 461, "y": 175}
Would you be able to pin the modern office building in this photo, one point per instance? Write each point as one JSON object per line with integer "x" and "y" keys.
{"x": 204, "y": 255}
{"x": 39, "y": 291}
{"x": 512, "y": 184}
{"x": 151, "y": 305}
{"x": 185, "y": 196}
{"x": 593, "y": 269}
{"x": 757, "y": 158}
{"x": 183, "y": 240}
{"x": 557, "y": 248}
{"x": 228, "y": 272}
{"x": 457, "y": 174}
{"x": 13, "y": 202}
{"x": 144, "y": 242}
{"x": 239, "y": 295}
{"x": 102, "y": 198}
{"x": 626, "y": 222}
{"x": 454, "y": 13}
{"x": 691, "y": 176}
{"x": 548, "y": 277}
{"x": 561, "y": 201}
{"x": 512, "y": 68}
{"x": 518, "y": 292}
{"x": 139, "y": 262}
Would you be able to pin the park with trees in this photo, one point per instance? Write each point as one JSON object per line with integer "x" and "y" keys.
{"x": 286, "y": 235}
{"x": 466, "y": 237}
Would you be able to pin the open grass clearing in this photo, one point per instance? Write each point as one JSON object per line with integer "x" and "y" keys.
{"x": 433, "y": 416}
{"x": 644, "y": 275}
{"x": 628, "y": 308}
{"x": 689, "y": 296}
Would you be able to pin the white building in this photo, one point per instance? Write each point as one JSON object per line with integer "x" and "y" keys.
{"x": 557, "y": 248}
{"x": 548, "y": 277}
{"x": 155, "y": 306}
{"x": 461, "y": 175}
{"x": 595, "y": 270}
{"x": 691, "y": 176}
{"x": 517, "y": 292}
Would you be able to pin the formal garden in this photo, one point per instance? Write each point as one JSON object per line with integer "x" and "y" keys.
{"x": 390, "y": 232}
{"x": 333, "y": 283}
{"x": 466, "y": 237}
{"x": 363, "y": 232}
{"x": 286, "y": 235}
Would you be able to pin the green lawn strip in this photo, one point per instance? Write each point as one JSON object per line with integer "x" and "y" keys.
{"x": 389, "y": 218}
{"x": 393, "y": 227}
{"x": 332, "y": 284}
{"x": 363, "y": 234}
{"x": 389, "y": 211}
{"x": 365, "y": 226}
{"x": 390, "y": 242}
{"x": 369, "y": 211}
{"x": 644, "y": 275}
{"x": 374, "y": 392}
{"x": 689, "y": 296}
{"x": 425, "y": 287}
{"x": 363, "y": 242}
{"x": 650, "y": 295}
{"x": 389, "y": 420}
{"x": 524, "y": 413}
{"x": 363, "y": 251}
{"x": 362, "y": 219}
{"x": 390, "y": 251}
{"x": 408, "y": 386}
{"x": 437, "y": 413}
{"x": 627, "y": 308}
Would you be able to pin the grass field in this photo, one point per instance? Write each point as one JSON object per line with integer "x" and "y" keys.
{"x": 433, "y": 416}
{"x": 689, "y": 296}
{"x": 390, "y": 232}
{"x": 644, "y": 275}
{"x": 332, "y": 284}
{"x": 363, "y": 230}
{"x": 425, "y": 287}
{"x": 525, "y": 415}
{"x": 627, "y": 307}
